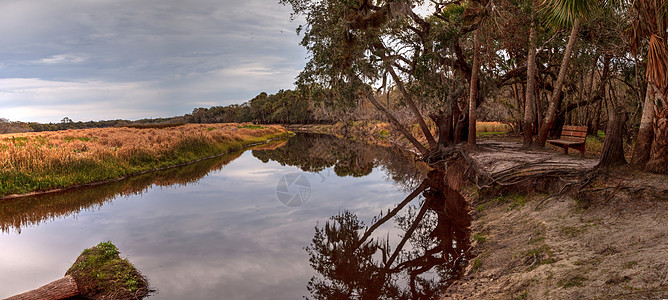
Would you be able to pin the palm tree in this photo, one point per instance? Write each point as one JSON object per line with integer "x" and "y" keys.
{"x": 649, "y": 25}
{"x": 561, "y": 13}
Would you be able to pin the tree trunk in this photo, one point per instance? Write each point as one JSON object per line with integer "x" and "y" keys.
{"x": 444, "y": 123}
{"x": 529, "y": 113}
{"x": 473, "y": 95}
{"x": 62, "y": 288}
{"x": 460, "y": 119}
{"x": 658, "y": 160}
{"x": 414, "y": 109}
{"x": 596, "y": 123}
{"x": 556, "y": 93}
{"x": 540, "y": 97}
{"x": 641, "y": 151}
{"x": 421, "y": 148}
{"x": 588, "y": 108}
{"x": 613, "y": 148}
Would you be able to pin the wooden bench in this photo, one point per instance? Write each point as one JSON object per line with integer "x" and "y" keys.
{"x": 572, "y": 137}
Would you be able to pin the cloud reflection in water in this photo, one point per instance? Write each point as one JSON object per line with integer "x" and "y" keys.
{"x": 209, "y": 230}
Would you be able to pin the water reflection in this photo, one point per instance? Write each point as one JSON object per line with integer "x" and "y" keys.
{"x": 19, "y": 213}
{"x": 355, "y": 261}
{"x": 223, "y": 234}
{"x": 316, "y": 152}
{"x": 354, "y": 265}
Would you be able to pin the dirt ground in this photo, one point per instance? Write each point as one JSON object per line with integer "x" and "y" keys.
{"x": 607, "y": 241}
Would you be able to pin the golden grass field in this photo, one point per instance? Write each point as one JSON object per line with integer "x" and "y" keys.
{"x": 37, "y": 161}
{"x": 492, "y": 127}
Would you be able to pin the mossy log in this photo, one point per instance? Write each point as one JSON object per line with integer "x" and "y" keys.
{"x": 98, "y": 273}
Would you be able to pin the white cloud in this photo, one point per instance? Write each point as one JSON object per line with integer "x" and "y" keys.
{"x": 33, "y": 98}
{"x": 62, "y": 58}
{"x": 129, "y": 59}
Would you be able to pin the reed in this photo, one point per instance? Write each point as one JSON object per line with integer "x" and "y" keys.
{"x": 50, "y": 160}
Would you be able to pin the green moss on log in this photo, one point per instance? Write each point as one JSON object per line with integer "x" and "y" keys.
{"x": 101, "y": 273}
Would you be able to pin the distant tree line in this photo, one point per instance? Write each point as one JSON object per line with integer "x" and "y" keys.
{"x": 284, "y": 107}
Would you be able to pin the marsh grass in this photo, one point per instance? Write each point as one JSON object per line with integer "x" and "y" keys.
{"x": 50, "y": 160}
{"x": 157, "y": 126}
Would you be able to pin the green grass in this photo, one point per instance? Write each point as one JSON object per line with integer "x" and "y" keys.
{"x": 594, "y": 145}
{"x": 515, "y": 201}
{"x": 83, "y": 139}
{"x": 100, "y": 272}
{"x": 570, "y": 231}
{"x": 522, "y": 296}
{"x": 19, "y": 141}
{"x": 538, "y": 256}
{"x": 477, "y": 263}
{"x": 536, "y": 240}
{"x": 600, "y": 134}
{"x": 479, "y": 238}
{"x": 572, "y": 281}
{"x": 537, "y": 251}
{"x": 489, "y": 134}
{"x": 251, "y": 126}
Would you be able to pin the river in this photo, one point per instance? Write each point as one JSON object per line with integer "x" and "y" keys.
{"x": 279, "y": 221}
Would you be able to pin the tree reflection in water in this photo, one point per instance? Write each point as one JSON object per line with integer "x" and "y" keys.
{"x": 352, "y": 260}
{"x": 28, "y": 211}
{"x": 353, "y": 265}
{"x": 316, "y": 152}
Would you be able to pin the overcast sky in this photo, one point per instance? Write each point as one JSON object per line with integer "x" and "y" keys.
{"x": 122, "y": 59}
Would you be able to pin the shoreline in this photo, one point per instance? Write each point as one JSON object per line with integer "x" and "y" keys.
{"x": 226, "y": 148}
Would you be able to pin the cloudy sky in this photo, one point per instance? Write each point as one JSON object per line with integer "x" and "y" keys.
{"x": 122, "y": 59}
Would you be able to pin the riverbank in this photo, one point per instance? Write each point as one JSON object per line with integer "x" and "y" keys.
{"x": 564, "y": 231}
{"x": 45, "y": 161}
{"x": 552, "y": 228}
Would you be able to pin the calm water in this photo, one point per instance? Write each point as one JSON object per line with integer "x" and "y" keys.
{"x": 281, "y": 221}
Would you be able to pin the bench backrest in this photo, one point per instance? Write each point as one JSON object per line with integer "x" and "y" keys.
{"x": 574, "y": 133}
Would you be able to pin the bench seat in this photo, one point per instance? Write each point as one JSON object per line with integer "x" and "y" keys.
{"x": 564, "y": 142}
{"x": 572, "y": 137}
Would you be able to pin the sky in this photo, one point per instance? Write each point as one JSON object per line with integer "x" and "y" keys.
{"x": 121, "y": 59}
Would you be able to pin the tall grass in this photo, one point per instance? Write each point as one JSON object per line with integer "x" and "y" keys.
{"x": 492, "y": 127}
{"x": 50, "y": 160}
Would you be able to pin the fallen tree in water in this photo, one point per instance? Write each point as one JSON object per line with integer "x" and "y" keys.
{"x": 98, "y": 273}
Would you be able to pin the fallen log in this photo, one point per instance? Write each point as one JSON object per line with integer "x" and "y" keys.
{"x": 98, "y": 273}
{"x": 63, "y": 288}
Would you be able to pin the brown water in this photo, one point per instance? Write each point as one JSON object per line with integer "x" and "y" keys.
{"x": 242, "y": 226}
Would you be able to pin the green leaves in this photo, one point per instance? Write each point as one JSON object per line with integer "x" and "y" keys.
{"x": 564, "y": 12}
